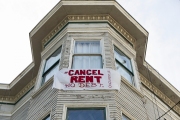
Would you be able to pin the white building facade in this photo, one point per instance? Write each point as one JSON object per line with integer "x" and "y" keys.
{"x": 89, "y": 35}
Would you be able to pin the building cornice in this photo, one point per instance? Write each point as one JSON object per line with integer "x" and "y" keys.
{"x": 25, "y": 90}
{"x": 17, "y": 97}
{"x": 161, "y": 78}
{"x": 90, "y": 3}
{"x": 88, "y": 18}
{"x": 159, "y": 94}
{"x": 19, "y": 77}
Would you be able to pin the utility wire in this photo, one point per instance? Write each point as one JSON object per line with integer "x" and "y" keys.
{"x": 170, "y": 108}
{"x": 168, "y": 111}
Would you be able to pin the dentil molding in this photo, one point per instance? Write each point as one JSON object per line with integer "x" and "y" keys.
{"x": 158, "y": 93}
{"x": 14, "y": 99}
{"x": 88, "y": 18}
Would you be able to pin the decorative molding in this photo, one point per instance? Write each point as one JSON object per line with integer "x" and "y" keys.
{"x": 25, "y": 90}
{"x": 88, "y": 18}
{"x": 160, "y": 77}
{"x": 14, "y": 99}
{"x": 9, "y": 99}
{"x": 158, "y": 93}
{"x": 21, "y": 75}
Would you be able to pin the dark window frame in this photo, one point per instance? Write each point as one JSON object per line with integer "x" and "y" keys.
{"x": 45, "y": 72}
{"x": 124, "y": 67}
{"x": 87, "y": 108}
{"x": 48, "y": 116}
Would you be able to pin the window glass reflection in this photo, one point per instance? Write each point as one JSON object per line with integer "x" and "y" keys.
{"x": 86, "y": 114}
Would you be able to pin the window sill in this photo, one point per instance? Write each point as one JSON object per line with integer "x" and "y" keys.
{"x": 132, "y": 87}
{"x": 42, "y": 87}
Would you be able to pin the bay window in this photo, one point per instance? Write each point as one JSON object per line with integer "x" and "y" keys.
{"x": 123, "y": 65}
{"x": 87, "y": 54}
{"x": 51, "y": 65}
{"x": 86, "y": 114}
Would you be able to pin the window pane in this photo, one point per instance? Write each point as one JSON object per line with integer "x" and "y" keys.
{"x": 125, "y": 117}
{"x": 95, "y": 62}
{"x": 124, "y": 72}
{"x": 52, "y": 59}
{"x": 123, "y": 60}
{"x": 50, "y": 74}
{"x": 86, "y": 114}
{"x": 87, "y": 62}
{"x": 87, "y": 47}
{"x": 47, "y": 118}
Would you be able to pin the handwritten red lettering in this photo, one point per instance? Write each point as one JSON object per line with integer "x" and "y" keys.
{"x": 77, "y": 72}
{"x": 70, "y": 85}
{"x": 101, "y": 85}
{"x": 82, "y": 72}
{"x": 88, "y": 72}
{"x": 94, "y": 72}
{"x": 89, "y": 78}
{"x": 88, "y": 85}
{"x": 81, "y": 85}
{"x": 74, "y": 79}
{"x": 109, "y": 79}
{"x": 93, "y": 84}
{"x": 81, "y": 79}
{"x": 99, "y": 72}
{"x": 97, "y": 78}
{"x": 70, "y": 72}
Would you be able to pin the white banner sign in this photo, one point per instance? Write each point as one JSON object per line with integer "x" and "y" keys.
{"x": 91, "y": 79}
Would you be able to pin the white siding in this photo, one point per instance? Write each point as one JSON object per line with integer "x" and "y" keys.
{"x": 131, "y": 102}
{"x": 21, "y": 113}
{"x": 5, "y": 118}
{"x": 43, "y": 104}
{"x": 85, "y": 98}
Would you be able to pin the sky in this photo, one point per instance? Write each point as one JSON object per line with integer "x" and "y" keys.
{"x": 161, "y": 18}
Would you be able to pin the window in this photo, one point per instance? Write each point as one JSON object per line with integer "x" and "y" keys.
{"x": 87, "y": 54}
{"x": 86, "y": 114}
{"x": 47, "y": 117}
{"x": 125, "y": 117}
{"x": 123, "y": 65}
{"x": 51, "y": 65}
